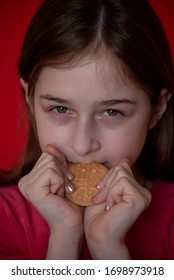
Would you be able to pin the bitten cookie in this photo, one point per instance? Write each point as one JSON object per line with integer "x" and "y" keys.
{"x": 86, "y": 176}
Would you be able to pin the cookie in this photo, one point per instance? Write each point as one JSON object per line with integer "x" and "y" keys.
{"x": 86, "y": 176}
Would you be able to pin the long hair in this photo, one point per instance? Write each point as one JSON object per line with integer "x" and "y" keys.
{"x": 63, "y": 31}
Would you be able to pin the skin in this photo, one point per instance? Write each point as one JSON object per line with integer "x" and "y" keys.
{"x": 92, "y": 112}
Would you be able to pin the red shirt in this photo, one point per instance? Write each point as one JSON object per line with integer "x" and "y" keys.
{"x": 24, "y": 234}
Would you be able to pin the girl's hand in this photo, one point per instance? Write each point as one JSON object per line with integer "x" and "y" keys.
{"x": 118, "y": 205}
{"x": 44, "y": 187}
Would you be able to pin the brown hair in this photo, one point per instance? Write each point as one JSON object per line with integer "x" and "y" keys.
{"x": 62, "y": 31}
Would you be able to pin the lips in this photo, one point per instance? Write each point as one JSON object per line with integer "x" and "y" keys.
{"x": 106, "y": 164}
{"x": 69, "y": 163}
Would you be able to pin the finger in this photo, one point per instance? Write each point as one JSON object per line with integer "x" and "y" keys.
{"x": 116, "y": 191}
{"x": 69, "y": 187}
{"x": 119, "y": 182}
{"x": 112, "y": 195}
{"x": 104, "y": 185}
{"x": 60, "y": 159}
{"x": 61, "y": 191}
{"x": 110, "y": 179}
{"x": 47, "y": 158}
{"x": 102, "y": 182}
{"x": 48, "y": 182}
{"x": 53, "y": 151}
{"x": 100, "y": 197}
{"x": 47, "y": 163}
{"x": 41, "y": 159}
{"x": 126, "y": 165}
{"x": 131, "y": 193}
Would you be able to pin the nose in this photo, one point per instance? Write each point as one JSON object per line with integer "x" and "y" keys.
{"x": 85, "y": 139}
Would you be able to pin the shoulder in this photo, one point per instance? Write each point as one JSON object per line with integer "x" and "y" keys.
{"x": 162, "y": 190}
{"x": 163, "y": 197}
{"x": 14, "y": 204}
{"x": 23, "y": 232}
{"x": 162, "y": 209}
{"x": 7, "y": 192}
{"x": 10, "y": 197}
{"x": 152, "y": 236}
{"x": 12, "y": 200}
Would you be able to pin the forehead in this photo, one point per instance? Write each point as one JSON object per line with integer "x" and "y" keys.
{"x": 104, "y": 69}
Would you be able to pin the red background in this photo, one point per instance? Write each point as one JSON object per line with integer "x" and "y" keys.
{"x": 14, "y": 18}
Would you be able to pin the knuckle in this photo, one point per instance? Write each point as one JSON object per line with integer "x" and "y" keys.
{"x": 54, "y": 163}
{"x": 50, "y": 158}
{"x": 148, "y": 197}
{"x": 24, "y": 187}
{"x": 22, "y": 183}
{"x": 50, "y": 171}
{"x": 144, "y": 199}
{"x": 124, "y": 180}
{"x": 119, "y": 169}
{"x": 30, "y": 192}
{"x": 54, "y": 176}
{"x": 120, "y": 172}
{"x": 58, "y": 157}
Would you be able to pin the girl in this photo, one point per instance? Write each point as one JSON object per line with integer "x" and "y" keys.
{"x": 98, "y": 80}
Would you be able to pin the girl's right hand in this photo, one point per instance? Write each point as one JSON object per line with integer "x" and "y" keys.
{"x": 45, "y": 186}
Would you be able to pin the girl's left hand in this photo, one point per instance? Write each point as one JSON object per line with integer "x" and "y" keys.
{"x": 117, "y": 206}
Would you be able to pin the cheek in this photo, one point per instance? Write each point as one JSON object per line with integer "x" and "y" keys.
{"x": 49, "y": 134}
{"x": 136, "y": 147}
{"x": 127, "y": 146}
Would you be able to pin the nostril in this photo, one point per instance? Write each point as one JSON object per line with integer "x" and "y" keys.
{"x": 84, "y": 138}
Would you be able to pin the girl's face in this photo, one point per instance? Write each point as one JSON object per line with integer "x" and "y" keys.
{"x": 92, "y": 112}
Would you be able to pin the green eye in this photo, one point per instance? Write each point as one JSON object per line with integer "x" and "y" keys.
{"x": 61, "y": 109}
{"x": 112, "y": 112}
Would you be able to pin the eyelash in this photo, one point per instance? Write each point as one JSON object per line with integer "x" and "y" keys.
{"x": 59, "y": 109}
{"x": 114, "y": 112}
{"x": 109, "y": 112}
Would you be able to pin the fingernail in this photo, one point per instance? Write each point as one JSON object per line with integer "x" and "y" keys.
{"x": 107, "y": 207}
{"x": 99, "y": 186}
{"x": 70, "y": 176}
{"x": 70, "y": 188}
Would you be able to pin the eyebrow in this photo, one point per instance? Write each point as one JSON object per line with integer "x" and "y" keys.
{"x": 102, "y": 103}
{"x": 117, "y": 101}
{"x": 52, "y": 98}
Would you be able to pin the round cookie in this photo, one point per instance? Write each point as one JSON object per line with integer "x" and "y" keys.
{"x": 86, "y": 176}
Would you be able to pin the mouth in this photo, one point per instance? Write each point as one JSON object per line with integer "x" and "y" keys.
{"x": 106, "y": 164}
{"x": 69, "y": 163}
